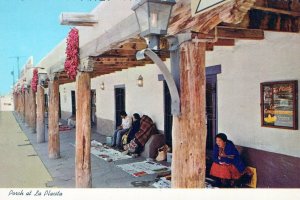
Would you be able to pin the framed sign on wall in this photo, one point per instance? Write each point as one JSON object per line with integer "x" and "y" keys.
{"x": 279, "y": 104}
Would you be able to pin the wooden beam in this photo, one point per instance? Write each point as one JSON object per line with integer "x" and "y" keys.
{"x": 233, "y": 33}
{"x": 189, "y": 129}
{"x": 83, "y": 175}
{"x": 239, "y": 33}
{"x": 40, "y": 122}
{"x": 230, "y": 12}
{"x": 53, "y": 126}
{"x": 65, "y": 81}
{"x": 101, "y": 73}
{"x": 286, "y": 5}
{"x": 121, "y": 52}
{"x": 279, "y": 11}
{"x": 107, "y": 72}
{"x": 109, "y": 69}
{"x": 209, "y": 46}
{"x": 78, "y": 19}
{"x": 133, "y": 46}
{"x": 128, "y": 63}
{"x": 225, "y": 42}
{"x": 112, "y": 59}
{"x": 220, "y": 42}
{"x": 181, "y": 21}
{"x": 272, "y": 21}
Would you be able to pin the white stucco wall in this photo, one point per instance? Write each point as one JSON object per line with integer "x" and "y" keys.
{"x": 143, "y": 100}
{"x": 109, "y": 13}
{"x": 244, "y": 67}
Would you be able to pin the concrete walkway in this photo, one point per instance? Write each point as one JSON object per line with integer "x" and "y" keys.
{"x": 20, "y": 166}
{"x": 104, "y": 174}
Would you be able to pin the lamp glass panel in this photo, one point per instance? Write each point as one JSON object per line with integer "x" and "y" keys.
{"x": 143, "y": 17}
{"x": 159, "y": 17}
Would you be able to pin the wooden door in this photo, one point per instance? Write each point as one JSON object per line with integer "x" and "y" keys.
{"x": 119, "y": 103}
{"x": 211, "y": 110}
{"x": 73, "y": 103}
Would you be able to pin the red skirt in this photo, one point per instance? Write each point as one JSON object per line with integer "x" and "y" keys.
{"x": 225, "y": 171}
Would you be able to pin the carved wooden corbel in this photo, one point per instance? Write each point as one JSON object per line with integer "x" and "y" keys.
{"x": 239, "y": 10}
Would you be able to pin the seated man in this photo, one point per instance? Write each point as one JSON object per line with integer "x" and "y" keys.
{"x": 121, "y": 130}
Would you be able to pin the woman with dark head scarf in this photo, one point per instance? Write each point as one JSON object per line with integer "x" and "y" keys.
{"x": 135, "y": 126}
{"x": 227, "y": 165}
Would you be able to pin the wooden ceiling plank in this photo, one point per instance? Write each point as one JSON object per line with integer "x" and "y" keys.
{"x": 279, "y": 11}
{"x": 233, "y": 33}
{"x": 225, "y": 42}
{"x": 239, "y": 33}
{"x": 133, "y": 46}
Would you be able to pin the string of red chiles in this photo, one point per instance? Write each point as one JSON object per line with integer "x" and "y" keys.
{"x": 34, "y": 80}
{"x": 72, "y": 53}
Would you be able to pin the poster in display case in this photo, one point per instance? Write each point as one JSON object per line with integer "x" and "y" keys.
{"x": 279, "y": 104}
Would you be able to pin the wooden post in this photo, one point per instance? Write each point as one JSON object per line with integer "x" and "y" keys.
{"x": 23, "y": 105}
{"x": 189, "y": 129}
{"x": 33, "y": 111}
{"x": 53, "y": 126}
{"x": 40, "y": 113}
{"x": 18, "y": 104}
{"x": 83, "y": 131}
{"x": 15, "y": 101}
{"x": 26, "y": 103}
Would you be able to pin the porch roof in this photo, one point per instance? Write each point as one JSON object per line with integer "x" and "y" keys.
{"x": 115, "y": 49}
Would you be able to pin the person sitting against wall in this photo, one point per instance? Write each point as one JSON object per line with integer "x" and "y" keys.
{"x": 227, "y": 165}
{"x": 135, "y": 127}
{"x": 147, "y": 129}
{"x": 121, "y": 130}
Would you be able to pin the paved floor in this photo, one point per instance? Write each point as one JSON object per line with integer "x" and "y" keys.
{"x": 104, "y": 174}
{"x": 19, "y": 164}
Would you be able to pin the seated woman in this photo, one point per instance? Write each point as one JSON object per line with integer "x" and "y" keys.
{"x": 135, "y": 127}
{"x": 227, "y": 165}
{"x": 147, "y": 129}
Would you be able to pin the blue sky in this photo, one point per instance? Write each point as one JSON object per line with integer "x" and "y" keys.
{"x": 31, "y": 28}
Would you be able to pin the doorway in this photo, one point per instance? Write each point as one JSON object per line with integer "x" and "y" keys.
{"x": 119, "y": 103}
{"x": 73, "y": 97}
{"x": 46, "y": 103}
{"x": 168, "y": 118}
{"x": 211, "y": 108}
{"x": 59, "y": 106}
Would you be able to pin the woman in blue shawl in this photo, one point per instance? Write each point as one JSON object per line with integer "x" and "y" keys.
{"x": 227, "y": 165}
